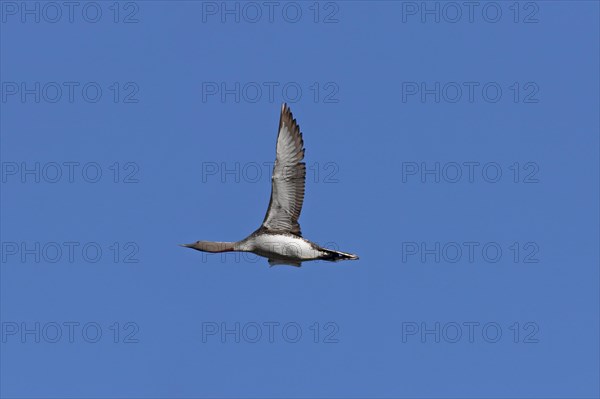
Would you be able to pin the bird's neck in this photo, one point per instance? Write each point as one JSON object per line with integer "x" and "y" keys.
{"x": 214, "y": 246}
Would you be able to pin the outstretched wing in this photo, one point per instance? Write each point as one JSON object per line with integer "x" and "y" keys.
{"x": 287, "y": 183}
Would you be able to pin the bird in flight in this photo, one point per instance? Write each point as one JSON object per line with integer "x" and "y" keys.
{"x": 279, "y": 238}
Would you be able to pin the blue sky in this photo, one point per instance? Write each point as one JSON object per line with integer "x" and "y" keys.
{"x": 454, "y": 149}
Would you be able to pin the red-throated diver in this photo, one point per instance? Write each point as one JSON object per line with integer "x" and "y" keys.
{"x": 279, "y": 238}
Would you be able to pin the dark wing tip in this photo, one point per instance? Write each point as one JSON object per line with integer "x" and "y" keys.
{"x": 288, "y": 118}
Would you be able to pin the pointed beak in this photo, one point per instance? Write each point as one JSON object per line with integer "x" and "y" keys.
{"x": 187, "y": 245}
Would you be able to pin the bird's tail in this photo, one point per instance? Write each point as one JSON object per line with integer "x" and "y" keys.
{"x": 334, "y": 256}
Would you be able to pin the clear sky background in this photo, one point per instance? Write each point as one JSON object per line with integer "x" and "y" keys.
{"x": 478, "y": 278}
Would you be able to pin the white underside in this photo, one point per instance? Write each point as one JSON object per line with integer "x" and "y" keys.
{"x": 279, "y": 245}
